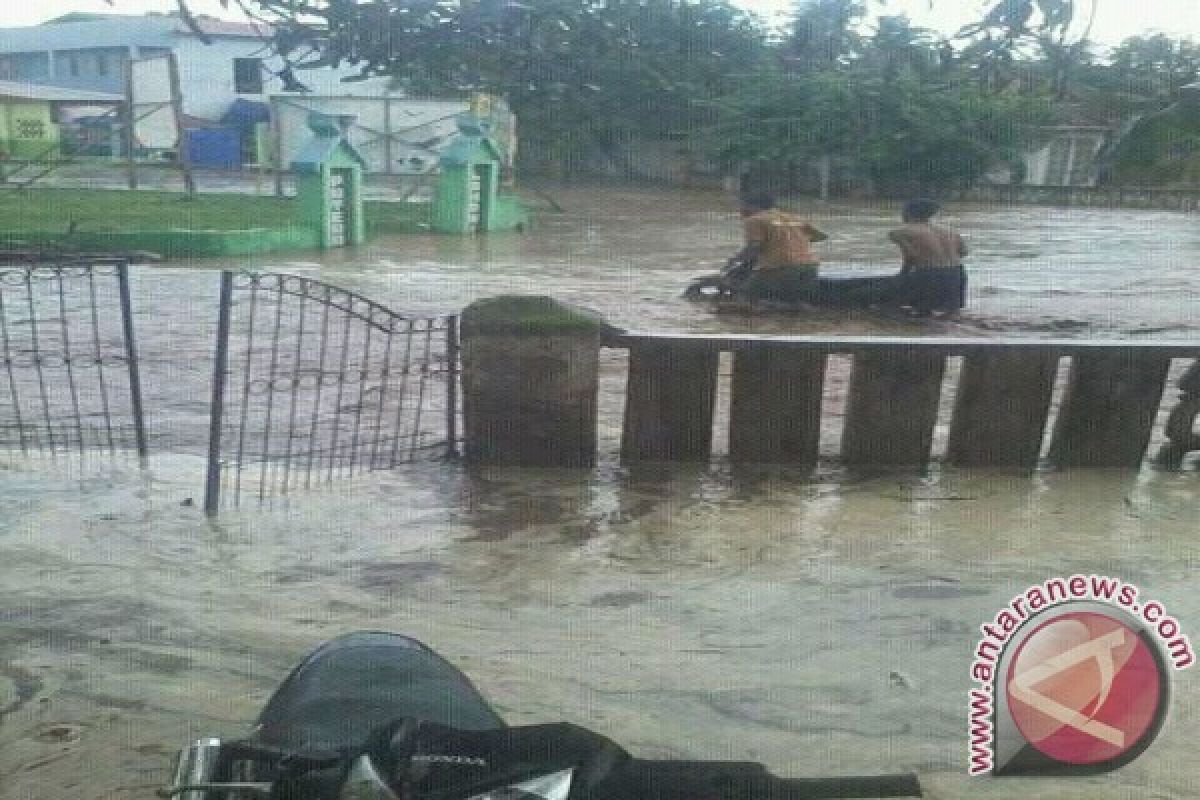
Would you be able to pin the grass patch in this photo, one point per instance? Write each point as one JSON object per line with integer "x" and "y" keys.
{"x": 529, "y": 315}
{"x": 103, "y": 211}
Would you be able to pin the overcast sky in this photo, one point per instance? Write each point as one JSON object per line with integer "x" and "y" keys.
{"x": 1115, "y": 19}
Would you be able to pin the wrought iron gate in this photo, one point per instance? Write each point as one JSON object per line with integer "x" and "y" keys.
{"x": 313, "y": 382}
{"x": 70, "y": 368}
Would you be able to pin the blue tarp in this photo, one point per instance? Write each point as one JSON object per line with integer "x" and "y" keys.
{"x": 214, "y": 147}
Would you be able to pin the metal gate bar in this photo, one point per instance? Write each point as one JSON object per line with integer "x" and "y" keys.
{"x": 313, "y": 382}
{"x": 61, "y": 344}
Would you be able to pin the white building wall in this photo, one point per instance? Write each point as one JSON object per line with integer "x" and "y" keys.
{"x": 1068, "y": 159}
{"x": 418, "y": 130}
{"x": 207, "y": 79}
{"x": 206, "y": 70}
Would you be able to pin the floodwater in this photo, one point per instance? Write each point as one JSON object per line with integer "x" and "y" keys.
{"x": 822, "y": 626}
{"x": 629, "y": 253}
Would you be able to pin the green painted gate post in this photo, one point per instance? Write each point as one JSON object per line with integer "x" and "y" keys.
{"x": 472, "y": 152}
{"x": 329, "y": 154}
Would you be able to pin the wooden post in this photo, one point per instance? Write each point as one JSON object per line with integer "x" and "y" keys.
{"x": 1001, "y": 410}
{"x": 185, "y": 156}
{"x": 669, "y": 403}
{"x": 775, "y": 417}
{"x": 130, "y": 123}
{"x": 1109, "y": 410}
{"x": 894, "y": 396}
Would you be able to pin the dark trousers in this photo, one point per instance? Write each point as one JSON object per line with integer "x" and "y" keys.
{"x": 782, "y": 284}
{"x": 937, "y": 289}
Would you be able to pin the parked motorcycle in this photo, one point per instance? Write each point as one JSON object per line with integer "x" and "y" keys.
{"x": 378, "y": 716}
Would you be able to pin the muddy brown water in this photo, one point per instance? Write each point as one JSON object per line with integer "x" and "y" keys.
{"x": 821, "y": 625}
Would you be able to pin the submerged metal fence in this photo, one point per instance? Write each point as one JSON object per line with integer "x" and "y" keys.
{"x": 312, "y": 382}
{"x": 70, "y": 377}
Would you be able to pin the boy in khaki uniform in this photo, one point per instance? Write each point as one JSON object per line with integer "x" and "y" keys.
{"x": 777, "y": 262}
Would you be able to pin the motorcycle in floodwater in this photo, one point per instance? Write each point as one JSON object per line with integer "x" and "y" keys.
{"x": 379, "y": 716}
{"x": 839, "y": 291}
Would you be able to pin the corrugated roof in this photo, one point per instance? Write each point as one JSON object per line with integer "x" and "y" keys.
{"x": 114, "y": 31}
{"x": 55, "y": 94}
{"x": 221, "y": 27}
{"x": 118, "y": 30}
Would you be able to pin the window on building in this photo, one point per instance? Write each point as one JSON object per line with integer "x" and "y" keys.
{"x": 101, "y": 64}
{"x": 73, "y": 65}
{"x": 248, "y": 75}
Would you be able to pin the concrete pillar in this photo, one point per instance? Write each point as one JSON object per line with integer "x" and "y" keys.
{"x": 530, "y": 377}
{"x": 1181, "y": 424}
{"x": 1109, "y": 410}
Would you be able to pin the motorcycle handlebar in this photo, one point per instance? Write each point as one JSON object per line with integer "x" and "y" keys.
{"x": 678, "y": 780}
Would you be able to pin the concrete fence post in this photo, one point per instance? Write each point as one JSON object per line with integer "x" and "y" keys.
{"x": 530, "y": 378}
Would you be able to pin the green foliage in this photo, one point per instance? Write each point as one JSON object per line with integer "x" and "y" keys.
{"x": 1156, "y": 66}
{"x": 824, "y": 33}
{"x": 1163, "y": 148}
{"x": 903, "y": 132}
{"x": 1015, "y": 19}
{"x": 900, "y": 104}
{"x": 581, "y": 74}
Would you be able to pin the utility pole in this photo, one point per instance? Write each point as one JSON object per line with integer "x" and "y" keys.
{"x": 185, "y": 157}
{"x": 130, "y": 119}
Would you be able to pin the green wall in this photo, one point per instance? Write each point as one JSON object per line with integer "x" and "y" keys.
{"x": 509, "y": 213}
{"x": 176, "y": 243}
{"x": 27, "y": 130}
{"x": 314, "y": 200}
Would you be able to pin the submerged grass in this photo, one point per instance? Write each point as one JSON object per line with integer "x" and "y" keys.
{"x": 109, "y": 210}
{"x": 525, "y": 314}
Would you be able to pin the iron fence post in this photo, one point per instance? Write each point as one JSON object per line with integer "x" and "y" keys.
{"x": 452, "y": 386}
{"x": 131, "y": 356}
{"x": 212, "y": 487}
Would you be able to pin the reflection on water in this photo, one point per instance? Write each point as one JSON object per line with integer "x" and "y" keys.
{"x": 822, "y": 624}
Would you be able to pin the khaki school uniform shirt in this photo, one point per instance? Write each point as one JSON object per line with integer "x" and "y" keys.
{"x": 784, "y": 239}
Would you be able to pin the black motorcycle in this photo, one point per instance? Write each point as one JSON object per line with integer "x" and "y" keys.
{"x": 377, "y": 716}
{"x": 845, "y": 291}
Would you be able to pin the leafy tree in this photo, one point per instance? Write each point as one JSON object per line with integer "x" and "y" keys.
{"x": 1156, "y": 66}
{"x": 583, "y": 75}
{"x": 824, "y": 33}
{"x": 588, "y": 76}
{"x": 898, "y": 48}
{"x": 904, "y": 132}
{"x": 1011, "y": 21}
